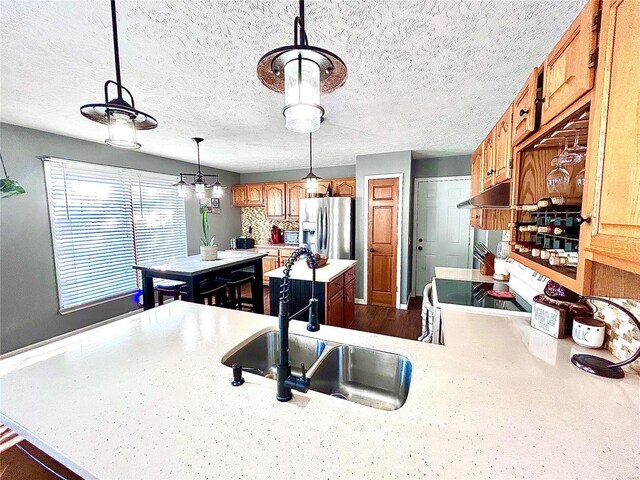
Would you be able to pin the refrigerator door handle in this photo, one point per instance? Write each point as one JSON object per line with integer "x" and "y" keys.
{"x": 319, "y": 231}
{"x": 326, "y": 228}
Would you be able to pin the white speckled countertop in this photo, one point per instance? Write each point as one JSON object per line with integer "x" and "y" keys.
{"x": 472, "y": 275}
{"x": 326, "y": 274}
{"x": 146, "y": 397}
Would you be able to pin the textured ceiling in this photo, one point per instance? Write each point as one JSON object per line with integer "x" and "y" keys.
{"x": 431, "y": 76}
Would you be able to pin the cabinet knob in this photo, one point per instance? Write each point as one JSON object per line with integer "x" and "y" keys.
{"x": 523, "y": 112}
{"x": 371, "y": 250}
{"x": 490, "y": 172}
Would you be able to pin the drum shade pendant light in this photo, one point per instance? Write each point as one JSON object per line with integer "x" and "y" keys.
{"x": 199, "y": 183}
{"x": 311, "y": 179}
{"x": 302, "y": 72}
{"x": 120, "y": 115}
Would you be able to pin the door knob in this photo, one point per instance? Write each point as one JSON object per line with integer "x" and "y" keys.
{"x": 371, "y": 250}
{"x": 419, "y": 248}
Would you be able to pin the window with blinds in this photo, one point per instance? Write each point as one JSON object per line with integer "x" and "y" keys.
{"x": 105, "y": 219}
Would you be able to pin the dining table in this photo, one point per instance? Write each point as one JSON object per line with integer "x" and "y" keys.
{"x": 192, "y": 270}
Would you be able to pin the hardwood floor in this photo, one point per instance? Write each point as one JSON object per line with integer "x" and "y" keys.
{"x": 377, "y": 319}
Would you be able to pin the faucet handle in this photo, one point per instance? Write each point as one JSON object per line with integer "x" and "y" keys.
{"x": 237, "y": 375}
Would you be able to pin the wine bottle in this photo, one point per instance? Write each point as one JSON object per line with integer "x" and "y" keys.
{"x": 526, "y": 207}
{"x": 545, "y": 254}
{"x": 558, "y": 260}
{"x": 545, "y": 229}
{"x": 520, "y": 224}
{"x": 560, "y": 201}
{"x": 566, "y": 230}
{"x": 528, "y": 228}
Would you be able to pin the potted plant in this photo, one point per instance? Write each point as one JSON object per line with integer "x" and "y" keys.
{"x": 208, "y": 249}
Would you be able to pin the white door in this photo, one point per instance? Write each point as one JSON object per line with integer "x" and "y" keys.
{"x": 443, "y": 236}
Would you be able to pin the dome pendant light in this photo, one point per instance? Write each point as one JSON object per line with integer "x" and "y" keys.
{"x": 120, "y": 116}
{"x": 311, "y": 179}
{"x": 302, "y": 72}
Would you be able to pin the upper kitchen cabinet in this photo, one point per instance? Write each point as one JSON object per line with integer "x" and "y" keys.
{"x": 488, "y": 156}
{"x": 323, "y": 185}
{"x": 503, "y": 157}
{"x": 569, "y": 68}
{"x": 249, "y": 195}
{"x": 613, "y": 172}
{"x": 344, "y": 187}
{"x": 476, "y": 184}
{"x": 274, "y": 200}
{"x": 524, "y": 109}
{"x": 295, "y": 191}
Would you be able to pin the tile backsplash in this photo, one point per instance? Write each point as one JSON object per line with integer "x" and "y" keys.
{"x": 255, "y": 218}
{"x": 623, "y": 338}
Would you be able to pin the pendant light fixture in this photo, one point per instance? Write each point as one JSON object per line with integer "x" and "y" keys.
{"x": 9, "y": 187}
{"x": 311, "y": 179}
{"x": 302, "y": 72}
{"x": 120, "y": 115}
{"x": 199, "y": 183}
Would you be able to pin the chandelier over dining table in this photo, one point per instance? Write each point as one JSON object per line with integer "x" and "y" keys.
{"x": 199, "y": 183}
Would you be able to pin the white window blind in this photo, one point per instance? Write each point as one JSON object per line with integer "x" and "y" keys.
{"x": 105, "y": 219}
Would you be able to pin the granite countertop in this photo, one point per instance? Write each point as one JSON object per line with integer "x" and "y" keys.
{"x": 332, "y": 270}
{"x": 147, "y": 397}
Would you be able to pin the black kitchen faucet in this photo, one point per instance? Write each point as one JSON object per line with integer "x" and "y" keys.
{"x": 286, "y": 380}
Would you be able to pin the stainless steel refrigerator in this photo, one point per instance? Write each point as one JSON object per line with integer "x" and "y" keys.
{"x": 327, "y": 226}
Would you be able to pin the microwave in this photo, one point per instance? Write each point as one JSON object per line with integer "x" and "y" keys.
{"x": 292, "y": 237}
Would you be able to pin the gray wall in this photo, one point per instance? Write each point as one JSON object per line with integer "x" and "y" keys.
{"x": 342, "y": 171}
{"x": 377, "y": 164}
{"x": 28, "y": 292}
{"x": 442, "y": 166}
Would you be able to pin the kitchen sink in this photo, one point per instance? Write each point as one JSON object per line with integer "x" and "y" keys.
{"x": 362, "y": 375}
{"x": 261, "y": 353}
{"x": 370, "y": 377}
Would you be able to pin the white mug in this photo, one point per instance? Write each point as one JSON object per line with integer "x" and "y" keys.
{"x": 588, "y": 332}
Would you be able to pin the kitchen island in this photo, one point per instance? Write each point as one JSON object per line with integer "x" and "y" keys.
{"x": 147, "y": 397}
{"x": 335, "y": 290}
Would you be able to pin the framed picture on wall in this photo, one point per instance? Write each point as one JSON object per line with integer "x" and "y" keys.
{"x": 211, "y": 204}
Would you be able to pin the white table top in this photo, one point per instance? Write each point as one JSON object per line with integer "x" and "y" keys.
{"x": 147, "y": 397}
{"x": 299, "y": 271}
{"x": 194, "y": 265}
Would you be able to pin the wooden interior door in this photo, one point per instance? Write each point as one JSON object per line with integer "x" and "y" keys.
{"x": 524, "y": 109}
{"x": 488, "y": 159}
{"x": 568, "y": 70}
{"x": 274, "y": 200}
{"x": 503, "y": 155}
{"x": 295, "y": 191}
{"x": 382, "y": 241}
{"x": 613, "y": 163}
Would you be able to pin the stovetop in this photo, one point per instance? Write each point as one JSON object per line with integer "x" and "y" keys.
{"x": 474, "y": 294}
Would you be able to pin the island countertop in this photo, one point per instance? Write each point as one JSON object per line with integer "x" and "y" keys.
{"x": 332, "y": 270}
{"x": 148, "y": 397}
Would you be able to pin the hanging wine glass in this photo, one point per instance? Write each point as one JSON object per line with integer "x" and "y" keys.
{"x": 580, "y": 180}
{"x": 576, "y": 153}
{"x": 558, "y": 179}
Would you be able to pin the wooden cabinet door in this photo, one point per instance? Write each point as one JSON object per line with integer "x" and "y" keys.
{"x": 349, "y": 303}
{"x": 569, "y": 70}
{"x": 344, "y": 187}
{"x": 503, "y": 156}
{"x": 335, "y": 310}
{"x": 238, "y": 195}
{"x": 268, "y": 264}
{"x": 254, "y": 195}
{"x": 477, "y": 180}
{"x": 612, "y": 197}
{"x": 274, "y": 200}
{"x": 488, "y": 160}
{"x": 524, "y": 109}
{"x": 295, "y": 191}
{"x": 322, "y": 187}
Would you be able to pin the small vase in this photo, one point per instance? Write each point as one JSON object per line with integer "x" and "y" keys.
{"x": 209, "y": 253}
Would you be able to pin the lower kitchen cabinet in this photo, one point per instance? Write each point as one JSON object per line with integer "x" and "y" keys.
{"x": 335, "y": 310}
{"x": 349, "y": 303}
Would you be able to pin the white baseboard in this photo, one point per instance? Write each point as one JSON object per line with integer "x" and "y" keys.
{"x": 360, "y": 301}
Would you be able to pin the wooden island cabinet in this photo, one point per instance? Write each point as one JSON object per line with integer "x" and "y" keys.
{"x": 335, "y": 291}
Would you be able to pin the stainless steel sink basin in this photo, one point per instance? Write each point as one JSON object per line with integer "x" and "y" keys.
{"x": 369, "y": 377}
{"x": 261, "y": 353}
